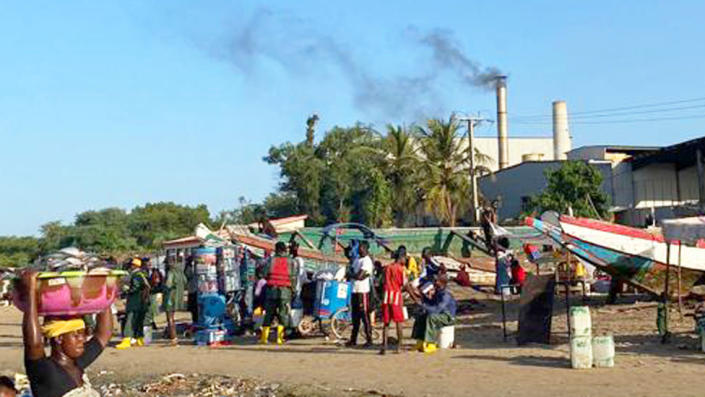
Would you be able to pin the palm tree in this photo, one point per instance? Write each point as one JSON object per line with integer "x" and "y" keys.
{"x": 445, "y": 168}
{"x": 402, "y": 166}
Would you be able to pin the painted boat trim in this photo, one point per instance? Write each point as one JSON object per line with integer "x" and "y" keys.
{"x": 634, "y": 243}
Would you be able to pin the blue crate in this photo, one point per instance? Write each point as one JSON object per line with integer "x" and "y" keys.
{"x": 331, "y": 296}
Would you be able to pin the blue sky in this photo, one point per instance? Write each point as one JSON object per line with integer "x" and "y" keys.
{"x": 121, "y": 103}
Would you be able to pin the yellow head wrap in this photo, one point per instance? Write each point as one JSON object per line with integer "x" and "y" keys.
{"x": 54, "y": 328}
{"x": 137, "y": 262}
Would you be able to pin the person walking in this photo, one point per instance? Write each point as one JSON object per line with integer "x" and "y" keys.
{"x": 360, "y": 273}
{"x": 281, "y": 278}
{"x": 136, "y": 307}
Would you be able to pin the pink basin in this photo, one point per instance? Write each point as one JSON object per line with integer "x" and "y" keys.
{"x": 75, "y": 295}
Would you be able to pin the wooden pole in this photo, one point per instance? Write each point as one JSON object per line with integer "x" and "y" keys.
{"x": 680, "y": 298}
{"x": 668, "y": 272}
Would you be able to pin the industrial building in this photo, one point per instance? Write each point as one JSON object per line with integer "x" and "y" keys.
{"x": 666, "y": 181}
{"x": 507, "y": 151}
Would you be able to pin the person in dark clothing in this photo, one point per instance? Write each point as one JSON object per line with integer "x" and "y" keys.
{"x": 191, "y": 288}
{"x": 63, "y": 370}
{"x": 438, "y": 311}
{"x": 280, "y": 273}
{"x": 487, "y": 219}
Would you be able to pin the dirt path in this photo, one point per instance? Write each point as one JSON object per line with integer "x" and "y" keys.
{"x": 484, "y": 365}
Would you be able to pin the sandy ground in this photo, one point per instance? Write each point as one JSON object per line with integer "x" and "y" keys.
{"x": 484, "y": 364}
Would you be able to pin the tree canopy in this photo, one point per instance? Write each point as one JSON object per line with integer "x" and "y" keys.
{"x": 109, "y": 232}
{"x": 576, "y": 185}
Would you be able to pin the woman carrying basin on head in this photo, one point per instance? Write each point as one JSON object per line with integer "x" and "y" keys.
{"x": 62, "y": 372}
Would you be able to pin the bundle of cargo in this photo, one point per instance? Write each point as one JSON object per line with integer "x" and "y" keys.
{"x": 228, "y": 268}
{"x": 77, "y": 283}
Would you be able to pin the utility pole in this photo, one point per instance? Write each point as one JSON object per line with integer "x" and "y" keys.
{"x": 473, "y": 121}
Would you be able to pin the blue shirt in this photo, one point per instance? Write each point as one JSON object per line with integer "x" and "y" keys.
{"x": 442, "y": 302}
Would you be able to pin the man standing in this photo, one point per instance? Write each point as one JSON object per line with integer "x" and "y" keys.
{"x": 438, "y": 311}
{"x": 136, "y": 306}
{"x": 191, "y": 288}
{"x": 361, "y": 271}
{"x": 393, "y": 303}
{"x": 301, "y": 278}
{"x": 154, "y": 275}
{"x": 281, "y": 278}
{"x": 173, "y": 295}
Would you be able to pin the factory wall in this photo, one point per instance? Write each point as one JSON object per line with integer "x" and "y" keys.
{"x": 655, "y": 185}
{"x": 514, "y": 186}
{"x": 518, "y": 146}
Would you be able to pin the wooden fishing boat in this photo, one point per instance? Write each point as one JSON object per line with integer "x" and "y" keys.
{"x": 637, "y": 256}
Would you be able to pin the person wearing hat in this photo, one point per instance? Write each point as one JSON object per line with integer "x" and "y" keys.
{"x": 136, "y": 306}
{"x": 280, "y": 273}
{"x": 62, "y": 372}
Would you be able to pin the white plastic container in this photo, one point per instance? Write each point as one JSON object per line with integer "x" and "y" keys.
{"x": 295, "y": 315}
{"x": 580, "y": 323}
{"x": 406, "y": 313}
{"x": 446, "y": 338}
{"x": 603, "y": 351}
{"x": 581, "y": 352}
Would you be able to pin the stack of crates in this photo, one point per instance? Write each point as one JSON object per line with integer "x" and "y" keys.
{"x": 206, "y": 270}
{"x": 228, "y": 269}
{"x": 211, "y": 305}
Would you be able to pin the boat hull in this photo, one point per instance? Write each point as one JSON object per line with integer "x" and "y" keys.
{"x": 642, "y": 271}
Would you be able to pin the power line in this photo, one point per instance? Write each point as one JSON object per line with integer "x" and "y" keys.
{"x": 685, "y": 117}
{"x": 617, "y": 109}
{"x": 583, "y": 116}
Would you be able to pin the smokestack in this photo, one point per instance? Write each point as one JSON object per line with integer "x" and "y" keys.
{"x": 502, "y": 139}
{"x": 561, "y": 133}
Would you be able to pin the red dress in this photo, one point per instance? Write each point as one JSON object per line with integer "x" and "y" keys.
{"x": 393, "y": 303}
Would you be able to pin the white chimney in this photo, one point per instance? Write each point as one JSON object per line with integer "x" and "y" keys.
{"x": 561, "y": 131}
{"x": 502, "y": 138}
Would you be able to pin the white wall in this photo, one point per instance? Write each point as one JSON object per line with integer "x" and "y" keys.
{"x": 622, "y": 185}
{"x": 655, "y": 186}
{"x": 688, "y": 184}
{"x": 518, "y": 146}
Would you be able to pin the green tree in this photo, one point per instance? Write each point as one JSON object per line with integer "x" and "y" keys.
{"x": 402, "y": 166}
{"x": 302, "y": 176}
{"x": 155, "y": 223}
{"x": 377, "y": 201}
{"x": 445, "y": 171}
{"x": 18, "y": 251}
{"x": 576, "y": 184}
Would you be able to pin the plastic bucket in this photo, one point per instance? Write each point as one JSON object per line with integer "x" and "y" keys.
{"x": 603, "y": 351}
{"x": 446, "y": 338}
{"x": 581, "y": 352}
{"x": 580, "y": 323}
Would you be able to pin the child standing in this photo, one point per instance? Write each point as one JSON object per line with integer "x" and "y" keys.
{"x": 393, "y": 303}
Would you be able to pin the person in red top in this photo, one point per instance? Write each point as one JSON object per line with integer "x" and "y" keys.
{"x": 393, "y": 303}
{"x": 518, "y": 276}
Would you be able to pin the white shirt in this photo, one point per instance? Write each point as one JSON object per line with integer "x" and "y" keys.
{"x": 364, "y": 264}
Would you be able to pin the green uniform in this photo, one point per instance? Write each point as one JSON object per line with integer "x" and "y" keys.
{"x": 137, "y": 304}
{"x": 278, "y": 299}
{"x": 174, "y": 287}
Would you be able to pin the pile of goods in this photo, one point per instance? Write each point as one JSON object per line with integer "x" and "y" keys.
{"x": 218, "y": 273}
{"x": 76, "y": 283}
{"x": 587, "y": 351}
